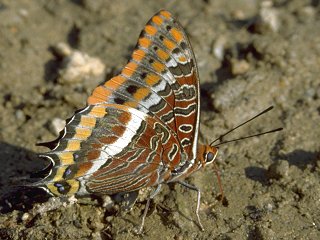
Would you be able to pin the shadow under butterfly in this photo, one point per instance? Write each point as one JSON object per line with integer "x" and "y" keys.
{"x": 139, "y": 129}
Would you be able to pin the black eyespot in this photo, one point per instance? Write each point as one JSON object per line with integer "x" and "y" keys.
{"x": 151, "y": 61}
{"x": 161, "y": 37}
{"x": 119, "y": 100}
{"x": 155, "y": 48}
{"x": 168, "y": 28}
{"x": 132, "y": 89}
{"x": 210, "y": 157}
{"x": 143, "y": 75}
{"x": 176, "y": 51}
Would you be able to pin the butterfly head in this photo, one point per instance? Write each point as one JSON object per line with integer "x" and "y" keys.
{"x": 207, "y": 154}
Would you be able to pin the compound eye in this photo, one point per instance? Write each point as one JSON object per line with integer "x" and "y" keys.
{"x": 210, "y": 156}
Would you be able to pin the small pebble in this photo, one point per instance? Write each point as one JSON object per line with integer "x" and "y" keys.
{"x": 178, "y": 237}
{"x": 96, "y": 235}
{"x": 77, "y": 66}
{"x": 269, "y": 207}
{"x": 62, "y": 49}
{"x": 107, "y": 202}
{"x": 23, "y": 12}
{"x": 109, "y": 218}
{"x": 239, "y": 67}
{"x": 278, "y": 169}
{"x": 219, "y": 48}
{"x": 268, "y": 18}
{"x": 238, "y": 14}
{"x": 56, "y": 125}
{"x": 20, "y": 115}
{"x": 26, "y": 217}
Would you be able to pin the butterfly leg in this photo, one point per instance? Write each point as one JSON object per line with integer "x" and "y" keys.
{"x": 194, "y": 188}
{"x": 152, "y": 195}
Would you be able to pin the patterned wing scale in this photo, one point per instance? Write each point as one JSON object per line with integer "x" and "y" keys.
{"x": 139, "y": 127}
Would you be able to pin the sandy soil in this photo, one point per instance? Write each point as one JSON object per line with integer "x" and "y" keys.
{"x": 251, "y": 54}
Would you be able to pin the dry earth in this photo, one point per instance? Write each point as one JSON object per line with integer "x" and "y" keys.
{"x": 251, "y": 54}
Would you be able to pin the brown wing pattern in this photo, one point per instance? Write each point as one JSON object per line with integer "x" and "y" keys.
{"x": 112, "y": 148}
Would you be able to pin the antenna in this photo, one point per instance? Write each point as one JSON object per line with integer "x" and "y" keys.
{"x": 250, "y": 136}
{"x": 249, "y": 120}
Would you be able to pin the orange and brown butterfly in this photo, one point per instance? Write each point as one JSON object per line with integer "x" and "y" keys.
{"x": 140, "y": 128}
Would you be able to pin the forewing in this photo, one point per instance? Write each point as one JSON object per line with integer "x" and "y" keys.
{"x": 160, "y": 80}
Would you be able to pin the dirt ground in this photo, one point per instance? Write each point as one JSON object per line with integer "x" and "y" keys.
{"x": 251, "y": 54}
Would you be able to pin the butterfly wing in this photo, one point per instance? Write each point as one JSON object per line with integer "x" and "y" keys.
{"x": 160, "y": 79}
{"x": 138, "y": 126}
{"x": 110, "y": 148}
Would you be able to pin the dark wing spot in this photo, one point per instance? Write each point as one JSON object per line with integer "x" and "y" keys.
{"x": 167, "y": 117}
{"x": 67, "y": 172}
{"x": 183, "y": 45}
{"x": 62, "y": 187}
{"x": 186, "y": 128}
{"x": 143, "y": 75}
{"x": 151, "y": 61}
{"x": 176, "y": 51}
{"x": 132, "y": 89}
{"x": 168, "y": 28}
{"x": 161, "y": 37}
{"x": 119, "y": 100}
{"x": 185, "y": 142}
{"x": 173, "y": 152}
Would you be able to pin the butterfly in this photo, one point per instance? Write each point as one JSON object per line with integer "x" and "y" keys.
{"x": 140, "y": 128}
